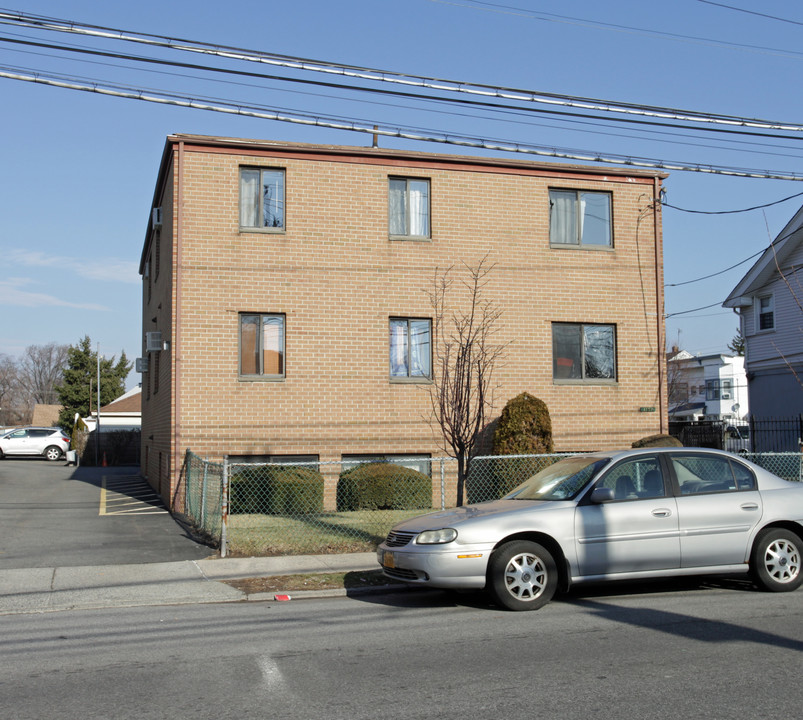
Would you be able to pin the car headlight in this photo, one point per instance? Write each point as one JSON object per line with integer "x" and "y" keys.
{"x": 436, "y": 537}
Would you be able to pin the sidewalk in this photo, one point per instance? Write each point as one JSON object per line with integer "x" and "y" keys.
{"x": 173, "y": 583}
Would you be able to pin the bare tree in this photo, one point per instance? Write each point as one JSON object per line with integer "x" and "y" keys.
{"x": 11, "y": 406}
{"x": 465, "y": 357}
{"x": 40, "y": 370}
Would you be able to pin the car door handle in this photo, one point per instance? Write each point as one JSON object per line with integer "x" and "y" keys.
{"x": 750, "y": 506}
{"x": 662, "y": 512}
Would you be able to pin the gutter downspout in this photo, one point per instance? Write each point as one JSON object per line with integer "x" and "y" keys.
{"x": 659, "y": 300}
{"x": 178, "y": 214}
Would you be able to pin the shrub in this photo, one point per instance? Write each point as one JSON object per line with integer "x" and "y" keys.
{"x": 657, "y": 441}
{"x": 276, "y": 490}
{"x": 383, "y": 486}
{"x": 524, "y": 428}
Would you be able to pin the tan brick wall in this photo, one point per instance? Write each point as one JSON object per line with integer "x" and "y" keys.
{"x": 338, "y": 278}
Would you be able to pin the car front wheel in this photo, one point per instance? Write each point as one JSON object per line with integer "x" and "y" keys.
{"x": 775, "y": 560}
{"x": 522, "y": 575}
{"x": 52, "y": 452}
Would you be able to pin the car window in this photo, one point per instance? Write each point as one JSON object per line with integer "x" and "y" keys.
{"x": 635, "y": 479}
{"x": 705, "y": 474}
{"x": 562, "y": 481}
{"x": 39, "y": 432}
{"x": 17, "y": 434}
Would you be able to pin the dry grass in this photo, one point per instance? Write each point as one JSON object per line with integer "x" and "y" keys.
{"x": 310, "y": 581}
{"x": 318, "y": 534}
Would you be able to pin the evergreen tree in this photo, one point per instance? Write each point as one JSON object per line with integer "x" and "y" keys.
{"x": 80, "y": 378}
{"x": 736, "y": 346}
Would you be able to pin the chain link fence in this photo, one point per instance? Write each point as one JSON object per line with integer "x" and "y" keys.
{"x": 260, "y": 509}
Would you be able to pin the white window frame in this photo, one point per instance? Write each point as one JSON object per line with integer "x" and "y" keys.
{"x": 771, "y": 299}
{"x": 409, "y": 361}
{"x": 556, "y": 237}
{"x": 255, "y": 206}
{"x": 408, "y": 233}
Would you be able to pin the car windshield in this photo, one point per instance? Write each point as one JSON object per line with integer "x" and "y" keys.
{"x": 563, "y": 480}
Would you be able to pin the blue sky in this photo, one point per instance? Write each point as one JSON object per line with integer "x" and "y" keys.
{"x": 79, "y": 168}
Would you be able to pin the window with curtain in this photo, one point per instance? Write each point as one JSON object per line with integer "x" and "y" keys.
{"x": 583, "y": 352}
{"x": 580, "y": 218}
{"x": 408, "y": 207}
{"x": 262, "y": 198}
{"x": 410, "y": 348}
{"x": 262, "y": 345}
{"x": 766, "y": 313}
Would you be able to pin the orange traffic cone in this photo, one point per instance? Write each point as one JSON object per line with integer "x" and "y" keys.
{"x": 104, "y": 463}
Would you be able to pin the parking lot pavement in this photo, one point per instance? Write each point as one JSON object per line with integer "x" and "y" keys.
{"x": 53, "y": 515}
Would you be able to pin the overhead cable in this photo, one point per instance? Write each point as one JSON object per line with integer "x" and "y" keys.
{"x": 375, "y": 75}
{"x": 487, "y": 105}
{"x": 375, "y": 128}
{"x": 732, "y": 212}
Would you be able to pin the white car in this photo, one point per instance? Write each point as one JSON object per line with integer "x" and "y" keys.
{"x": 49, "y": 442}
{"x": 656, "y": 512}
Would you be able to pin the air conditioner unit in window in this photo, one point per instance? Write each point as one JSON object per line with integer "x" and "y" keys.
{"x": 726, "y": 396}
{"x": 153, "y": 341}
{"x": 156, "y": 218}
{"x": 141, "y": 365}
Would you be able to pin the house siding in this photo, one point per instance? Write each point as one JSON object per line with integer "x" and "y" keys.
{"x": 337, "y": 278}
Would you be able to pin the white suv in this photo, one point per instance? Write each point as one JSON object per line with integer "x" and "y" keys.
{"x": 50, "y": 442}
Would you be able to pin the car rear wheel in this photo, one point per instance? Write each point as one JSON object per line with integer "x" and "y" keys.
{"x": 52, "y": 452}
{"x": 522, "y": 575}
{"x": 775, "y": 560}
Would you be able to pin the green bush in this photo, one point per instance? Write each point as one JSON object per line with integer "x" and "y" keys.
{"x": 657, "y": 441}
{"x": 276, "y": 490}
{"x": 383, "y": 486}
{"x": 524, "y": 428}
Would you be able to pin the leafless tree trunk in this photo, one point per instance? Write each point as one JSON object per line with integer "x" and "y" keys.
{"x": 11, "y": 405}
{"x": 464, "y": 359}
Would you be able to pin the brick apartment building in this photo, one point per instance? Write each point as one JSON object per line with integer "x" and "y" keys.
{"x": 285, "y": 313}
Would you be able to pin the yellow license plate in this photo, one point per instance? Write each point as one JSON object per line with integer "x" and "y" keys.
{"x": 387, "y": 560}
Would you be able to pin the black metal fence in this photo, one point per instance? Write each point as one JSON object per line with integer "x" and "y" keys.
{"x": 756, "y": 435}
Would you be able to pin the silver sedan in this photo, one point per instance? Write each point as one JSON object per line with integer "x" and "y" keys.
{"x": 633, "y": 514}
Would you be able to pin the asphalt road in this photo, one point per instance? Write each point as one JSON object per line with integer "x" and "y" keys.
{"x": 53, "y": 515}
{"x": 708, "y": 651}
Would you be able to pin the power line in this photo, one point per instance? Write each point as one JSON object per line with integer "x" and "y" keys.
{"x": 369, "y": 127}
{"x": 731, "y": 212}
{"x": 583, "y": 22}
{"x": 686, "y": 312}
{"x": 751, "y": 12}
{"x": 375, "y": 75}
{"x": 486, "y": 105}
{"x": 721, "y": 272}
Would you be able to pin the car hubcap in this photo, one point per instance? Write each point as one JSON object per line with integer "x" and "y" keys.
{"x": 525, "y": 577}
{"x": 782, "y": 561}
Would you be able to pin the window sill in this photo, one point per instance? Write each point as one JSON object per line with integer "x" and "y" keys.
{"x": 263, "y": 231}
{"x": 261, "y": 378}
{"x": 596, "y": 382}
{"x": 410, "y": 380}
{"x": 592, "y": 248}
{"x": 409, "y": 238}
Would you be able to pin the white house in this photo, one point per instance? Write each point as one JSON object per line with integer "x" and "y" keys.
{"x": 124, "y": 413}
{"x": 707, "y": 387}
{"x": 769, "y": 300}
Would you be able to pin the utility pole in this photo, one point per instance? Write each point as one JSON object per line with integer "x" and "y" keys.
{"x": 97, "y": 423}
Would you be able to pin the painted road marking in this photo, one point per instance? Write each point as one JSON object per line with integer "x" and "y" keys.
{"x": 128, "y": 495}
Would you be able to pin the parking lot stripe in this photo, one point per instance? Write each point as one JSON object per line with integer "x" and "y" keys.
{"x": 128, "y": 495}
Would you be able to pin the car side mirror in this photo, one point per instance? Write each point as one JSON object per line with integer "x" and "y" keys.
{"x": 601, "y": 495}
